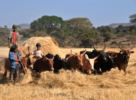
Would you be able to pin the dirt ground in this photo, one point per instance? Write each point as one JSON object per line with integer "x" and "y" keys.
{"x": 67, "y": 85}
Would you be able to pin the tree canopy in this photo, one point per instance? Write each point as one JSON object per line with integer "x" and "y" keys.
{"x": 133, "y": 18}
{"x": 79, "y": 28}
{"x": 47, "y": 23}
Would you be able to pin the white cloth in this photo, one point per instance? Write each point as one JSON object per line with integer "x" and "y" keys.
{"x": 38, "y": 53}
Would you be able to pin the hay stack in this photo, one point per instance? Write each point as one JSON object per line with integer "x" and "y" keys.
{"x": 49, "y": 45}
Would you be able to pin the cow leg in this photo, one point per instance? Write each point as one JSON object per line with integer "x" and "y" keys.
{"x": 96, "y": 70}
{"x": 124, "y": 69}
{"x": 81, "y": 69}
{"x": 72, "y": 69}
{"x": 56, "y": 70}
{"x": 89, "y": 72}
{"x": 119, "y": 68}
{"x": 29, "y": 64}
{"x": 5, "y": 74}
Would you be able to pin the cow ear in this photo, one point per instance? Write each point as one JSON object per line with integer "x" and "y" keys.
{"x": 76, "y": 54}
{"x": 131, "y": 51}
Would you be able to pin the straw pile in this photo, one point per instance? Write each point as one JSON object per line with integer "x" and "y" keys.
{"x": 49, "y": 45}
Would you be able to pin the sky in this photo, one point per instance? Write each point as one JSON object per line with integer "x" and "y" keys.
{"x": 100, "y": 12}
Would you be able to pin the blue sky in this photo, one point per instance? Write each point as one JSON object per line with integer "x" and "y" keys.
{"x": 100, "y": 12}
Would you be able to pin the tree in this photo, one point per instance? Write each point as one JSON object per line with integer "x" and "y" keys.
{"x": 78, "y": 30}
{"x": 79, "y": 23}
{"x": 4, "y": 33}
{"x": 47, "y": 24}
{"x": 133, "y": 18}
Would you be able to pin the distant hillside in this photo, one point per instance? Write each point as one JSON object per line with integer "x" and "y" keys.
{"x": 115, "y": 25}
{"x": 24, "y": 26}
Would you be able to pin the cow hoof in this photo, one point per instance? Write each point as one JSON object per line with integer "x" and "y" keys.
{"x": 89, "y": 72}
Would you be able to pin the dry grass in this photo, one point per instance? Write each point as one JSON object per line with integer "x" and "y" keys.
{"x": 66, "y": 85}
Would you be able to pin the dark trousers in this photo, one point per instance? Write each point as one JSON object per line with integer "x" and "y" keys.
{"x": 14, "y": 73}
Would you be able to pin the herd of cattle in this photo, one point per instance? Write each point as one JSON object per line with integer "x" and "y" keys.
{"x": 103, "y": 61}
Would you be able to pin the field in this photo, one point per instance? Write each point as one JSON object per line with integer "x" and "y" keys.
{"x": 113, "y": 85}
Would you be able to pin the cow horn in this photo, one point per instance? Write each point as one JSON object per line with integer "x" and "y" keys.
{"x": 119, "y": 44}
{"x": 47, "y": 58}
{"x": 93, "y": 46}
{"x": 71, "y": 51}
{"x": 84, "y": 52}
{"x": 53, "y": 58}
{"x": 131, "y": 46}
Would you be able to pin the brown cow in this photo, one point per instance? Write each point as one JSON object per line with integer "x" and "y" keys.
{"x": 78, "y": 62}
{"x": 87, "y": 67}
{"x": 74, "y": 62}
{"x": 43, "y": 64}
{"x": 7, "y": 66}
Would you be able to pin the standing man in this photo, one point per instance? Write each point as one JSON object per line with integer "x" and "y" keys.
{"x": 14, "y": 36}
{"x": 14, "y": 63}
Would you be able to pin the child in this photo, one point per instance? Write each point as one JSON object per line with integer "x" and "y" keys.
{"x": 38, "y": 53}
{"x": 14, "y": 63}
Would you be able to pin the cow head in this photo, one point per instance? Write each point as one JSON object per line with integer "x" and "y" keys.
{"x": 80, "y": 58}
{"x": 50, "y": 62}
{"x": 96, "y": 52}
{"x": 49, "y": 55}
{"x": 57, "y": 58}
{"x": 125, "y": 52}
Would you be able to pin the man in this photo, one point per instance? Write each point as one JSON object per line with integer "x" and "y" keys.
{"x": 14, "y": 63}
{"x": 13, "y": 37}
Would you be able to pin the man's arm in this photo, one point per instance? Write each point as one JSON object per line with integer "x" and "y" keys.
{"x": 9, "y": 38}
{"x": 18, "y": 36}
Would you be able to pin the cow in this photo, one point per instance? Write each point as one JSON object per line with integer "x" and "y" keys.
{"x": 99, "y": 60}
{"x": 59, "y": 63}
{"x": 121, "y": 58}
{"x": 23, "y": 64}
{"x": 102, "y": 63}
{"x": 43, "y": 64}
{"x": 112, "y": 59}
{"x": 87, "y": 67}
{"x": 74, "y": 62}
{"x": 78, "y": 62}
{"x": 49, "y": 55}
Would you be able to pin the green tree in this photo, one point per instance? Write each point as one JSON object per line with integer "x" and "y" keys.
{"x": 47, "y": 24}
{"x": 79, "y": 23}
{"x": 133, "y": 18}
{"x": 4, "y": 33}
